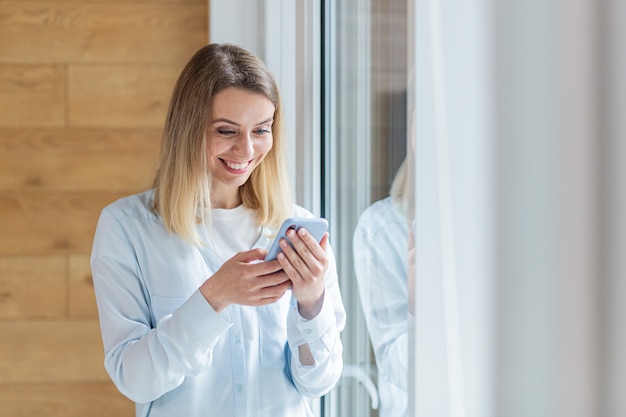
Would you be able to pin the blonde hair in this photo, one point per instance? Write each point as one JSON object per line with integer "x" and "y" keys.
{"x": 183, "y": 179}
{"x": 399, "y": 191}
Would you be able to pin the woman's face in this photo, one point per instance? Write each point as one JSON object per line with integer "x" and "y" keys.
{"x": 239, "y": 135}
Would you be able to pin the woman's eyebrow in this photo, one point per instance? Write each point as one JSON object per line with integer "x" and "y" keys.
{"x": 222, "y": 119}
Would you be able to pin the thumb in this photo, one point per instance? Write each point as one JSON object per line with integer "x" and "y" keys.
{"x": 324, "y": 241}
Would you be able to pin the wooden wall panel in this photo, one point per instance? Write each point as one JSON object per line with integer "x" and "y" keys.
{"x": 183, "y": 3}
{"x": 32, "y": 287}
{"x": 46, "y": 223}
{"x": 82, "y": 302}
{"x": 114, "y": 96}
{"x": 32, "y": 95}
{"x": 84, "y": 87}
{"x": 64, "y": 400}
{"x": 77, "y": 160}
{"x": 51, "y": 351}
{"x": 102, "y": 32}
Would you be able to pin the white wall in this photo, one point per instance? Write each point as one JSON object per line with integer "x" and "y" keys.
{"x": 613, "y": 212}
{"x": 546, "y": 126}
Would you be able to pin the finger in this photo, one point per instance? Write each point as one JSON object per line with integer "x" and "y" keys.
{"x": 324, "y": 241}
{"x": 311, "y": 253}
{"x": 291, "y": 268}
{"x": 274, "y": 279}
{"x": 311, "y": 245}
{"x": 268, "y": 267}
{"x": 251, "y": 255}
{"x": 293, "y": 257}
{"x": 299, "y": 244}
{"x": 272, "y": 294}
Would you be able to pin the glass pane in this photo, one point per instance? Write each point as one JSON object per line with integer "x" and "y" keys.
{"x": 365, "y": 130}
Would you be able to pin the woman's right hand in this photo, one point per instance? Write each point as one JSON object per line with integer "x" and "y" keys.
{"x": 246, "y": 281}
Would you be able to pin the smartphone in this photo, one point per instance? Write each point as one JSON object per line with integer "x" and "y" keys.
{"x": 315, "y": 226}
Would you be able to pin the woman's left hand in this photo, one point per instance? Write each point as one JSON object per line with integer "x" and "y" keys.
{"x": 306, "y": 267}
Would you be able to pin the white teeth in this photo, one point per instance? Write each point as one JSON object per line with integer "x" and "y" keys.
{"x": 237, "y": 166}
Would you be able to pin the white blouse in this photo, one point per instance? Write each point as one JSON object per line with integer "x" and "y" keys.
{"x": 168, "y": 350}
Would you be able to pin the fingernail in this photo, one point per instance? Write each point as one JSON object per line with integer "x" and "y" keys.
{"x": 302, "y": 232}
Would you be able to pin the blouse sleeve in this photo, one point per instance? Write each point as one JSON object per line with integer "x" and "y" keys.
{"x": 144, "y": 359}
{"x": 380, "y": 261}
{"x": 315, "y": 345}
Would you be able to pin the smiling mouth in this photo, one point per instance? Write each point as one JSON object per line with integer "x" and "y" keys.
{"x": 236, "y": 166}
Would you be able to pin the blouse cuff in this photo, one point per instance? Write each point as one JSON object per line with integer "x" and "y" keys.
{"x": 311, "y": 330}
{"x": 203, "y": 319}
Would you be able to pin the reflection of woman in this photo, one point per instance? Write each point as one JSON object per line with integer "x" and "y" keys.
{"x": 381, "y": 260}
{"x": 193, "y": 323}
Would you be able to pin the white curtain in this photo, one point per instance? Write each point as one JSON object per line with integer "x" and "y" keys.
{"x": 452, "y": 142}
{"x": 520, "y": 227}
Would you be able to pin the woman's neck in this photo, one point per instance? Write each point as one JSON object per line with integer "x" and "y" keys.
{"x": 226, "y": 202}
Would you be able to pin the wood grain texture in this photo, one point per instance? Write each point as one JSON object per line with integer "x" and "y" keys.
{"x": 51, "y": 351}
{"x": 77, "y": 160}
{"x": 50, "y": 223}
{"x": 52, "y": 32}
{"x": 64, "y": 400}
{"x": 84, "y": 87}
{"x": 119, "y": 96}
{"x": 179, "y": 2}
{"x": 32, "y": 95}
{"x": 82, "y": 299}
{"x": 32, "y": 287}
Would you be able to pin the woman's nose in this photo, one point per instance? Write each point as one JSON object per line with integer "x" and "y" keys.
{"x": 244, "y": 145}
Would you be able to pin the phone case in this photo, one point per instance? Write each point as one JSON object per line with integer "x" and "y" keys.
{"x": 315, "y": 226}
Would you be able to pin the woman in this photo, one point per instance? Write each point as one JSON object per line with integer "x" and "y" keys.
{"x": 382, "y": 256}
{"x": 194, "y": 323}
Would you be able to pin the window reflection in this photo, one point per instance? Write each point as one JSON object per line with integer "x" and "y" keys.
{"x": 366, "y": 146}
{"x": 380, "y": 263}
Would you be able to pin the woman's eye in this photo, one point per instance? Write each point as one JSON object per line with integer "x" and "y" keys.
{"x": 262, "y": 132}
{"x": 226, "y": 132}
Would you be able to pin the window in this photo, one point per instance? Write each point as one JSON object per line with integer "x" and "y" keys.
{"x": 365, "y": 119}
